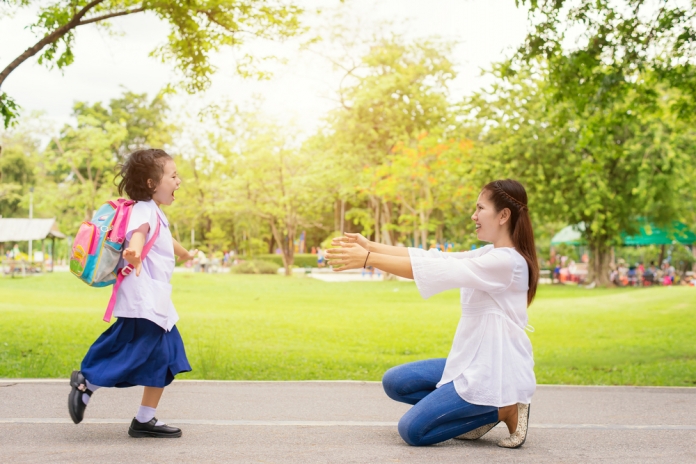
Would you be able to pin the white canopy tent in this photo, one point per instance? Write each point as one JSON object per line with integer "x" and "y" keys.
{"x": 26, "y": 230}
{"x": 23, "y": 230}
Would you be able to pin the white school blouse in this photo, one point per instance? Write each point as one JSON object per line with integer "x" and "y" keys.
{"x": 149, "y": 295}
{"x": 491, "y": 361}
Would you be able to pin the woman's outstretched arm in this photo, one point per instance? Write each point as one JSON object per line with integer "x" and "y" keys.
{"x": 354, "y": 256}
{"x": 371, "y": 246}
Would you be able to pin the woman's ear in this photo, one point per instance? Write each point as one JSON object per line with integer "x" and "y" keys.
{"x": 505, "y": 215}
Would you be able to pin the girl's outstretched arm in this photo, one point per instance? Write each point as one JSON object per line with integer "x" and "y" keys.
{"x": 353, "y": 256}
{"x": 182, "y": 253}
{"x": 135, "y": 248}
{"x": 370, "y": 246}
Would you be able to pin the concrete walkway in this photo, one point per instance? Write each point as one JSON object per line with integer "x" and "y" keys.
{"x": 342, "y": 422}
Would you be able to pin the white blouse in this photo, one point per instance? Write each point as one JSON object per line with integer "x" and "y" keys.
{"x": 491, "y": 361}
{"x": 149, "y": 295}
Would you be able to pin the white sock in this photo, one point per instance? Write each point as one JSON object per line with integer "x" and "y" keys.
{"x": 145, "y": 414}
{"x": 92, "y": 387}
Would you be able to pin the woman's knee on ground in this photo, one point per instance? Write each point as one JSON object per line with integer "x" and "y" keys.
{"x": 411, "y": 429}
{"x": 391, "y": 382}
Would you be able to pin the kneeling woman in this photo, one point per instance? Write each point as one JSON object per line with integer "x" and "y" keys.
{"x": 488, "y": 376}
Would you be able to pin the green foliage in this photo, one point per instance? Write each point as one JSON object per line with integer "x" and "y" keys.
{"x": 605, "y": 168}
{"x": 394, "y": 98}
{"x": 198, "y": 28}
{"x": 617, "y": 41}
{"x": 18, "y": 157}
{"x": 275, "y": 180}
{"x": 84, "y": 158}
{"x": 256, "y": 266}
{"x": 604, "y": 123}
{"x": 145, "y": 120}
{"x": 9, "y": 109}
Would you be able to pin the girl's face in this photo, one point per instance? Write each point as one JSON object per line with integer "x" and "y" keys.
{"x": 164, "y": 193}
{"x": 491, "y": 226}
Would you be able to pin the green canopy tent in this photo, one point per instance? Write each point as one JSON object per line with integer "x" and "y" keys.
{"x": 648, "y": 234}
{"x": 651, "y": 235}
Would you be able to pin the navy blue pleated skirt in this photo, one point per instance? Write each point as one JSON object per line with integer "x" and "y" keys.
{"x": 135, "y": 351}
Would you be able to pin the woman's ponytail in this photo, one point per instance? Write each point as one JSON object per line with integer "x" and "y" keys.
{"x": 511, "y": 194}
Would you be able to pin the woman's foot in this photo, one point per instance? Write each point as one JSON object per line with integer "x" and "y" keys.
{"x": 517, "y": 425}
{"x": 477, "y": 433}
{"x": 151, "y": 429}
{"x": 76, "y": 404}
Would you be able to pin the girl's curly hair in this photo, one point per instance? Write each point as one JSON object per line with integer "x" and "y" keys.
{"x": 139, "y": 167}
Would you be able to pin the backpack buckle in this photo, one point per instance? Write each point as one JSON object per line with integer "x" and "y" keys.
{"x": 127, "y": 270}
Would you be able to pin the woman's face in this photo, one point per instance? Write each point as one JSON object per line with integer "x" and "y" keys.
{"x": 489, "y": 223}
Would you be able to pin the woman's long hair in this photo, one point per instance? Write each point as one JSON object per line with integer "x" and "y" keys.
{"x": 511, "y": 194}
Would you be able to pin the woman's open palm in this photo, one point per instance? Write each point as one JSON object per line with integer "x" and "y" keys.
{"x": 351, "y": 238}
{"x": 349, "y": 256}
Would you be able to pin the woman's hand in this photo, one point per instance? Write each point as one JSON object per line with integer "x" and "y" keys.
{"x": 351, "y": 238}
{"x": 133, "y": 257}
{"x": 349, "y": 256}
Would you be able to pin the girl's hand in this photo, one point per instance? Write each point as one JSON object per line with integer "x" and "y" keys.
{"x": 189, "y": 255}
{"x": 133, "y": 257}
{"x": 349, "y": 256}
{"x": 351, "y": 238}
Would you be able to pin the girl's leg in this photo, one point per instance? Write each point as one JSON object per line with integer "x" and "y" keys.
{"x": 410, "y": 383}
{"x": 442, "y": 415}
{"x": 151, "y": 396}
{"x": 144, "y": 424}
{"x": 148, "y": 405}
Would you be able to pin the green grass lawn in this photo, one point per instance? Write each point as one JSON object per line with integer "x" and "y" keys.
{"x": 278, "y": 328}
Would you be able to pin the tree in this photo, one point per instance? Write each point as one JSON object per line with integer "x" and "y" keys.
{"x": 429, "y": 181}
{"x": 391, "y": 94}
{"x": 198, "y": 28}
{"x": 146, "y": 121}
{"x": 605, "y": 167}
{"x": 619, "y": 99}
{"x": 273, "y": 178}
{"x": 18, "y": 158}
{"x": 82, "y": 159}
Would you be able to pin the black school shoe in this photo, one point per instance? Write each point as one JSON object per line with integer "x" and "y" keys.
{"x": 76, "y": 406}
{"x": 149, "y": 429}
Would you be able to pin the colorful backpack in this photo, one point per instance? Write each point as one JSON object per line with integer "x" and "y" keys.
{"x": 98, "y": 245}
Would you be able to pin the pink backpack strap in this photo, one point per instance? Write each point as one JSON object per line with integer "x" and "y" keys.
{"x": 123, "y": 273}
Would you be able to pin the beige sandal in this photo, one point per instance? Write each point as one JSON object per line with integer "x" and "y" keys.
{"x": 519, "y": 436}
{"x": 477, "y": 433}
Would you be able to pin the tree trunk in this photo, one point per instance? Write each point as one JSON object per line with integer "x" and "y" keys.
{"x": 337, "y": 215}
{"x": 662, "y": 256}
{"x": 424, "y": 230}
{"x": 598, "y": 268}
{"x": 385, "y": 221}
{"x": 377, "y": 204}
{"x": 286, "y": 243}
{"x": 289, "y": 252}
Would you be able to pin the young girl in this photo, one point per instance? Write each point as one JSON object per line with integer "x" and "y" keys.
{"x": 488, "y": 376}
{"x": 143, "y": 347}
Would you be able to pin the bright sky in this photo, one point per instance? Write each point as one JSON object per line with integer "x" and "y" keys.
{"x": 486, "y": 30}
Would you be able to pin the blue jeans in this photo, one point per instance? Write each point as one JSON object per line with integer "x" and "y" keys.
{"x": 438, "y": 414}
